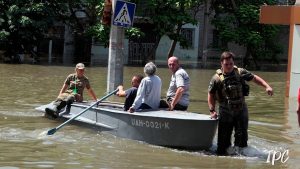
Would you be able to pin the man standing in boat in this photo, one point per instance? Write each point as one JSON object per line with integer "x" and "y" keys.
{"x": 72, "y": 90}
{"x": 229, "y": 88}
{"x": 148, "y": 93}
{"x": 178, "y": 92}
{"x": 130, "y": 93}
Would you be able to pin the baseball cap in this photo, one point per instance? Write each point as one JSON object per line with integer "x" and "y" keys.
{"x": 80, "y": 66}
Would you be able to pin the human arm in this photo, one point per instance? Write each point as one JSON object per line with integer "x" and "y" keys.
{"x": 211, "y": 104}
{"x": 121, "y": 92}
{"x": 259, "y": 81}
{"x": 92, "y": 93}
{"x": 211, "y": 96}
{"x": 177, "y": 97}
{"x": 63, "y": 88}
{"x": 180, "y": 82}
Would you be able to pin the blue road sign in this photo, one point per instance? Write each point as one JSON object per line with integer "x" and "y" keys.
{"x": 124, "y": 13}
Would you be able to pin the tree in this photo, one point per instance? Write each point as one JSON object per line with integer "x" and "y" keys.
{"x": 27, "y": 22}
{"x": 93, "y": 26}
{"x": 237, "y": 21}
{"x": 190, "y": 10}
{"x": 168, "y": 17}
{"x": 23, "y": 23}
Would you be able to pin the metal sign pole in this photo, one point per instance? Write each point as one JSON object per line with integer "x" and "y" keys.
{"x": 115, "y": 60}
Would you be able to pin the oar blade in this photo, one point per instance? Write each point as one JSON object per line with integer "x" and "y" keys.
{"x": 52, "y": 131}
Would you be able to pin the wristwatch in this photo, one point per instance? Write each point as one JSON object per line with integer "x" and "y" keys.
{"x": 211, "y": 110}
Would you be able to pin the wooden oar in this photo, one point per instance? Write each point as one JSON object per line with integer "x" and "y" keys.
{"x": 52, "y": 131}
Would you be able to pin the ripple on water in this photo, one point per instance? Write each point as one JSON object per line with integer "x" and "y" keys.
{"x": 21, "y": 113}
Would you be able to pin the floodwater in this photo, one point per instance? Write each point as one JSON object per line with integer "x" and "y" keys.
{"x": 23, "y": 143}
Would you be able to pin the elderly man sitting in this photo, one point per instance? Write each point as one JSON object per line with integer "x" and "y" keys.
{"x": 148, "y": 94}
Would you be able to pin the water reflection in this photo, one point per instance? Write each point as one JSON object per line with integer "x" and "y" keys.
{"x": 24, "y": 87}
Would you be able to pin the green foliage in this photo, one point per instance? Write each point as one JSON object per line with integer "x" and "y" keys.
{"x": 4, "y": 34}
{"x": 167, "y": 15}
{"x": 100, "y": 33}
{"x": 237, "y": 21}
{"x": 27, "y": 22}
{"x": 134, "y": 33}
{"x": 24, "y": 22}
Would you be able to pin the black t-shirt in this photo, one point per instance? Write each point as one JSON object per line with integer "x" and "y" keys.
{"x": 130, "y": 96}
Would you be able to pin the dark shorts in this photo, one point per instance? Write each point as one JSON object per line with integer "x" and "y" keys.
{"x": 144, "y": 106}
{"x": 165, "y": 104}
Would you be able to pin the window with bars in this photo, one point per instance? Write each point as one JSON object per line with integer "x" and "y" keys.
{"x": 188, "y": 34}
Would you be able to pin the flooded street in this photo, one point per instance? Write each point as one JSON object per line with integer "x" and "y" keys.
{"x": 273, "y": 125}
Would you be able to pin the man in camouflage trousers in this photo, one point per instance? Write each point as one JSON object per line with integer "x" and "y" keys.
{"x": 72, "y": 90}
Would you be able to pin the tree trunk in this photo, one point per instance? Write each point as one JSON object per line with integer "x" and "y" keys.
{"x": 246, "y": 61}
{"x": 234, "y": 5}
{"x": 174, "y": 42}
{"x": 82, "y": 51}
{"x": 254, "y": 57}
{"x": 246, "y": 58}
{"x": 202, "y": 48}
{"x": 151, "y": 55}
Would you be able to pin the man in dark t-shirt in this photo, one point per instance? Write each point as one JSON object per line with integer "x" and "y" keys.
{"x": 130, "y": 93}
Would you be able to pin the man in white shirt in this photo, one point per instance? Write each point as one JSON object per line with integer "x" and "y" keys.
{"x": 178, "y": 92}
{"x": 149, "y": 91}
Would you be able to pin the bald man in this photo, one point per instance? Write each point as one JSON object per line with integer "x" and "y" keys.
{"x": 178, "y": 92}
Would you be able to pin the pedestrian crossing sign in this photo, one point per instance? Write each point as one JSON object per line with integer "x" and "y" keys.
{"x": 124, "y": 13}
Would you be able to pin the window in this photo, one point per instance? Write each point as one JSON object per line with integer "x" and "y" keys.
{"x": 188, "y": 34}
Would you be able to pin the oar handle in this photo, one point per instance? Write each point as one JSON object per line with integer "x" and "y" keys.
{"x": 52, "y": 131}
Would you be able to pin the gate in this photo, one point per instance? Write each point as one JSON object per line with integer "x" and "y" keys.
{"x": 138, "y": 53}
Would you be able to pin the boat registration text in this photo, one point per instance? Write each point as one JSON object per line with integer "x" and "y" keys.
{"x": 150, "y": 124}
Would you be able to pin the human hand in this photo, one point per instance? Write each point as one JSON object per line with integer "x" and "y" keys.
{"x": 131, "y": 110}
{"x": 171, "y": 107}
{"x": 121, "y": 88}
{"x": 213, "y": 115}
{"x": 269, "y": 90}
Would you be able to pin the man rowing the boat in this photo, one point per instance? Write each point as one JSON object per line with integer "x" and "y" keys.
{"x": 72, "y": 90}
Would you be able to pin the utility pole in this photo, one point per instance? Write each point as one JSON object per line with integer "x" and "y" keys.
{"x": 116, "y": 55}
